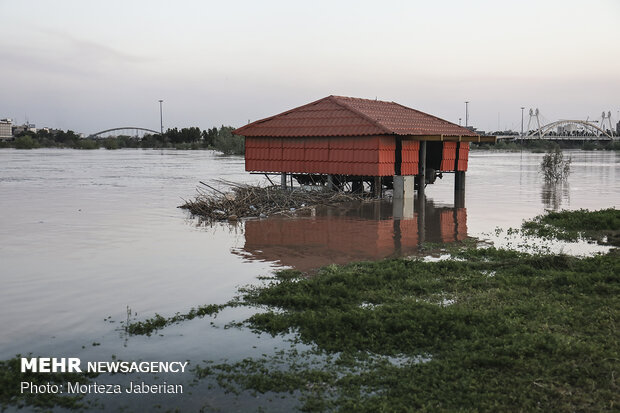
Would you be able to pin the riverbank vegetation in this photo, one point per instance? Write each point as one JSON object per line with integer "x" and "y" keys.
{"x": 487, "y": 330}
{"x": 542, "y": 145}
{"x": 220, "y": 139}
{"x": 601, "y": 226}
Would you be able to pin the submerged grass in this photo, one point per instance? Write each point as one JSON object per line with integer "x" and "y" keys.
{"x": 540, "y": 333}
{"x": 602, "y": 226}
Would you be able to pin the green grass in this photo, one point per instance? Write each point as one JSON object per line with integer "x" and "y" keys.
{"x": 602, "y": 226}
{"x": 525, "y": 333}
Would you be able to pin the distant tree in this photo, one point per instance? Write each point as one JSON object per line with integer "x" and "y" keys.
{"x": 191, "y": 134}
{"x": 25, "y": 142}
{"x": 229, "y": 143}
{"x": 208, "y": 137}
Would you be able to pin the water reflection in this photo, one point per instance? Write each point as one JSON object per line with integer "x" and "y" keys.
{"x": 553, "y": 195}
{"x": 355, "y": 232}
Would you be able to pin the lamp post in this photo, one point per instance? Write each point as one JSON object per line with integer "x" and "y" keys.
{"x": 467, "y": 113}
{"x": 522, "y": 108}
{"x": 161, "y": 117}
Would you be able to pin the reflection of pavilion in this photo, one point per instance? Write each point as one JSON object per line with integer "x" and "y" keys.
{"x": 363, "y": 232}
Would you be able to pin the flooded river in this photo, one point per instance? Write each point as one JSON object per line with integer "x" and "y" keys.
{"x": 86, "y": 236}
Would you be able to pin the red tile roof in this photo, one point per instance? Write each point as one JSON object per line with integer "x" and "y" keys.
{"x": 346, "y": 116}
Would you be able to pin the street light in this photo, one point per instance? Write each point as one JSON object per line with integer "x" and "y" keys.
{"x": 466, "y": 113}
{"x": 522, "y": 108}
{"x": 161, "y": 118}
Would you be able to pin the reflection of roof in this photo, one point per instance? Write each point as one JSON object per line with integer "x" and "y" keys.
{"x": 346, "y": 116}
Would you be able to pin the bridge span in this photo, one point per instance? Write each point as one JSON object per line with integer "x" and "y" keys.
{"x": 123, "y": 128}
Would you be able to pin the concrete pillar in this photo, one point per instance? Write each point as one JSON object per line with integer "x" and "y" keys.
{"x": 422, "y": 169}
{"x": 403, "y": 186}
{"x": 283, "y": 180}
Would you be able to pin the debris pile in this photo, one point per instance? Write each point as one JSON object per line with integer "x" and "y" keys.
{"x": 251, "y": 200}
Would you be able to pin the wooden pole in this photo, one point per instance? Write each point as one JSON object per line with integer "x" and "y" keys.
{"x": 283, "y": 180}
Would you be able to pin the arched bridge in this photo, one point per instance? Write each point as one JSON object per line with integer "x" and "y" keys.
{"x": 570, "y": 129}
{"x": 94, "y": 135}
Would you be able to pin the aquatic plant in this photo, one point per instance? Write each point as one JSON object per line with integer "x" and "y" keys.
{"x": 602, "y": 226}
{"x": 554, "y": 167}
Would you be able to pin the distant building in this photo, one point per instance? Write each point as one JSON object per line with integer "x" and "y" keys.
{"x": 26, "y": 127}
{"x": 6, "y": 129}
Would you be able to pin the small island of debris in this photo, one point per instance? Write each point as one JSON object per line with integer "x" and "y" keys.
{"x": 259, "y": 201}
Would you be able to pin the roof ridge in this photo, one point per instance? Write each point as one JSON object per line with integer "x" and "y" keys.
{"x": 360, "y": 113}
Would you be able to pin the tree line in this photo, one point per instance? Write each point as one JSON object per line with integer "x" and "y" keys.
{"x": 221, "y": 139}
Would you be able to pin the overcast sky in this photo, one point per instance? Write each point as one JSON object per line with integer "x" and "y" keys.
{"x": 92, "y": 65}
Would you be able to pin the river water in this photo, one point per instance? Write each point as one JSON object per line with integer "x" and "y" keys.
{"x": 86, "y": 236}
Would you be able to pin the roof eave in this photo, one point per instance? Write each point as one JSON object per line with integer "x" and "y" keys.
{"x": 452, "y": 138}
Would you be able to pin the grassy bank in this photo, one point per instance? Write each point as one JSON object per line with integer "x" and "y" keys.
{"x": 489, "y": 330}
{"x": 543, "y": 145}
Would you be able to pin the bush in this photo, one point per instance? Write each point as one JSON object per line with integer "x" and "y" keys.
{"x": 25, "y": 142}
{"x": 86, "y": 144}
{"x": 554, "y": 167}
{"x": 227, "y": 143}
{"x": 110, "y": 143}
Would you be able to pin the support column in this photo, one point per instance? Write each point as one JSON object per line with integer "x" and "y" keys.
{"x": 459, "y": 180}
{"x": 422, "y": 169}
{"x": 403, "y": 186}
{"x": 283, "y": 180}
{"x": 459, "y": 176}
{"x": 330, "y": 182}
{"x": 377, "y": 189}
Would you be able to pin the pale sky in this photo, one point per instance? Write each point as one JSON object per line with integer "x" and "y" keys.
{"x": 90, "y": 65}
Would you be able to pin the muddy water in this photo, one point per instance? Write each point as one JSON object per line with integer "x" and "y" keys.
{"x": 85, "y": 235}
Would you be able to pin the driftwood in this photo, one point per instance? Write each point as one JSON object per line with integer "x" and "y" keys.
{"x": 245, "y": 200}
